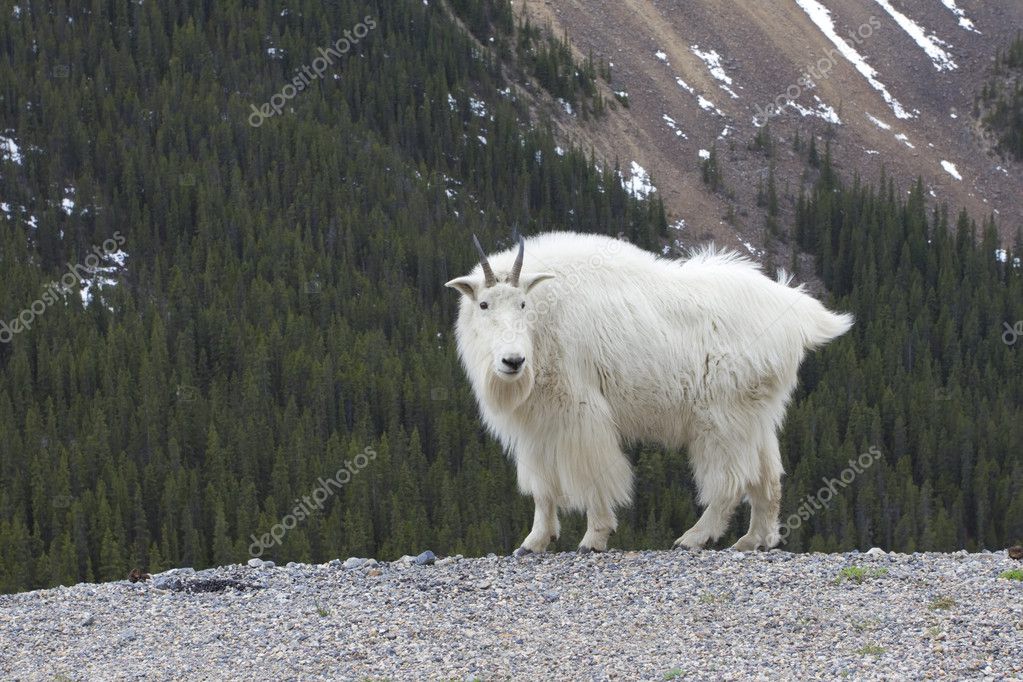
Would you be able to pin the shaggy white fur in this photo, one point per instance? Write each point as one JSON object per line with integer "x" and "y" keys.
{"x": 602, "y": 343}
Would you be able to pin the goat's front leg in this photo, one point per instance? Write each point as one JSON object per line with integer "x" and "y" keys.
{"x": 546, "y": 527}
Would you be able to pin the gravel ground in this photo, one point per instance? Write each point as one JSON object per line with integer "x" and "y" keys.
{"x": 620, "y": 615}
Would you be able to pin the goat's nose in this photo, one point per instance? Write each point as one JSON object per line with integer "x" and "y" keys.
{"x": 513, "y": 362}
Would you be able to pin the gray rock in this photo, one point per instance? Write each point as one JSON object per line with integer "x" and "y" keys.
{"x": 427, "y": 558}
{"x": 255, "y": 563}
{"x": 354, "y": 562}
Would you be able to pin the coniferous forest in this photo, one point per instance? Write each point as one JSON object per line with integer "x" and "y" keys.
{"x": 269, "y": 303}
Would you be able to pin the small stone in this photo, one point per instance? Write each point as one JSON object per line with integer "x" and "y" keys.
{"x": 551, "y": 596}
{"x": 334, "y": 563}
{"x": 269, "y": 564}
{"x": 427, "y": 558}
{"x": 126, "y": 636}
{"x": 353, "y": 562}
{"x": 89, "y": 619}
{"x": 446, "y": 561}
{"x": 292, "y": 564}
{"x": 876, "y": 551}
{"x": 373, "y": 572}
{"x": 166, "y": 582}
{"x": 255, "y": 563}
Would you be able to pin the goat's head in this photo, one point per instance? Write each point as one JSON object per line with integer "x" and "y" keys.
{"x": 496, "y": 322}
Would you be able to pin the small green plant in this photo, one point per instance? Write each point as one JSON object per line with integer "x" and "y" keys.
{"x": 1014, "y": 574}
{"x": 942, "y": 604}
{"x": 323, "y": 613}
{"x": 859, "y": 574}
{"x": 866, "y": 625}
{"x": 870, "y": 650}
{"x": 622, "y": 97}
{"x": 673, "y": 674}
{"x": 711, "y": 598}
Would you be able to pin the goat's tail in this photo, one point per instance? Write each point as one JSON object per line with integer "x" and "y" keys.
{"x": 824, "y": 325}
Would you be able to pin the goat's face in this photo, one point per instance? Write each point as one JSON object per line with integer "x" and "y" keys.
{"x": 496, "y": 322}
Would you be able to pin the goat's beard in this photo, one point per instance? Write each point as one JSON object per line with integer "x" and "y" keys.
{"x": 505, "y": 395}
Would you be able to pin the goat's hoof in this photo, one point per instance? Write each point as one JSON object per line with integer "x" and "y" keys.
{"x": 692, "y": 539}
{"x": 586, "y": 549}
{"x": 522, "y": 551}
{"x": 746, "y": 545}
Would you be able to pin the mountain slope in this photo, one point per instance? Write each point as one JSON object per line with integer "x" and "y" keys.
{"x": 903, "y": 90}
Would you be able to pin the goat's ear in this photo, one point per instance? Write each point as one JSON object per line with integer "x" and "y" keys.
{"x": 467, "y": 285}
{"x": 528, "y": 281}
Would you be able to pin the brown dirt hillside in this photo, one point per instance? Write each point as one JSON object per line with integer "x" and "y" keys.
{"x": 663, "y": 54}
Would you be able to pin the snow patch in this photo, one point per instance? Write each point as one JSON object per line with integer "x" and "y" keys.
{"x": 823, "y": 111}
{"x": 879, "y": 123}
{"x": 931, "y": 44}
{"x": 963, "y": 21}
{"x": 707, "y": 105}
{"x": 901, "y": 137}
{"x": 639, "y": 184}
{"x": 477, "y": 106}
{"x": 670, "y": 122}
{"x": 704, "y": 154}
{"x": 951, "y": 169}
{"x": 9, "y": 149}
{"x": 662, "y": 56}
{"x": 713, "y": 61}
{"x": 821, "y": 16}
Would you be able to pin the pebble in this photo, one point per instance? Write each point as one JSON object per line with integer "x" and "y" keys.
{"x": 255, "y": 563}
{"x": 354, "y": 562}
{"x": 425, "y": 559}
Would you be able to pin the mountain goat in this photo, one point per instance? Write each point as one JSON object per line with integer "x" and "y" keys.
{"x": 597, "y": 343}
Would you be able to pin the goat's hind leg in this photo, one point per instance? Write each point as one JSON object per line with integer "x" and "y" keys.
{"x": 719, "y": 490}
{"x": 765, "y": 500}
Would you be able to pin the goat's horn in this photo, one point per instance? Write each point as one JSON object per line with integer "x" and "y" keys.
{"x": 488, "y": 273}
{"x": 517, "y": 268}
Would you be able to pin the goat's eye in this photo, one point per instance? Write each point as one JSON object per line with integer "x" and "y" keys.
{"x": 523, "y": 306}
{"x": 484, "y": 305}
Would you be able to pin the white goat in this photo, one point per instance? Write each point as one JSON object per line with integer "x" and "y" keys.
{"x": 598, "y": 343}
